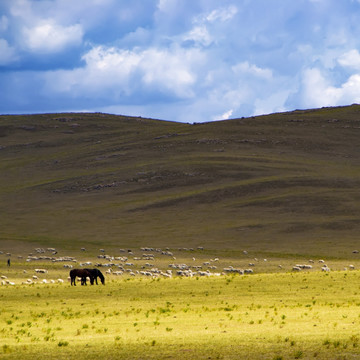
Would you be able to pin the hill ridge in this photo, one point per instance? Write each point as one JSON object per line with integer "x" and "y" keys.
{"x": 120, "y": 180}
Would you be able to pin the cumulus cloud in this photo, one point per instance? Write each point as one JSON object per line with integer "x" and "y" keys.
{"x": 318, "y": 90}
{"x": 350, "y": 59}
{"x": 49, "y": 37}
{"x": 185, "y": 60}
{"x": 225, "y": 116}
{"x": 170, "y": 72}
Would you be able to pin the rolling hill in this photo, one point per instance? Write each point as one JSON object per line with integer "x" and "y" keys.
{"x": 285, "y": 183}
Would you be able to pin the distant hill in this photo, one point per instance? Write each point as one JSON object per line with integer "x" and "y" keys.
{"x": 283, "y": 183}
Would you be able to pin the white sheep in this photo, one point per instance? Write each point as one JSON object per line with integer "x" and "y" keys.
{"x": 42, "y": 271}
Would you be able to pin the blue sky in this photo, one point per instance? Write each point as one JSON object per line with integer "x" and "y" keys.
{"x": 181, "y": 60}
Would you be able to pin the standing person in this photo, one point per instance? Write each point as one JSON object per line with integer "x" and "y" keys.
{"x": 8, "y": 262}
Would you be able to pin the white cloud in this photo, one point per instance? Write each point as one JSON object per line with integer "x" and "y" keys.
{"x": 183, "y": 60}
{"x": 138, "y": 37}
{"x": 318, "y": 91}
{"x": 350, "y": 59}
{"x": 170, "y": 71}
{"x": 200, "y": 35}
{"x": 271, "y": 103}
{"x": 49, "y": 37}
{"x": 7, "y": 53}
{"x": 222, "y": 14}
{"x": 251, "y": 69}
{"x": 225, "y": 116}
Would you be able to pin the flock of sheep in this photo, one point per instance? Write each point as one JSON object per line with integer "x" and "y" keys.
{"x": 129, "y": 264}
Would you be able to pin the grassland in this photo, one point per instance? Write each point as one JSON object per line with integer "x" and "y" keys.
{"x": 285, "y": 182}
{"x": 308, "y": 315}
{"x": 282, "y": 187}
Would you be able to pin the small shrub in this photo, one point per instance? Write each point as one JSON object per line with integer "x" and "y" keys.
{"x": 326, "y": 342}
{"x": 63, "y": 343}
{"x": 6, "y": 349}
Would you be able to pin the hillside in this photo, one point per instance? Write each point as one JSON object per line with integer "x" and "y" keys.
{"x": 284, "y": 183}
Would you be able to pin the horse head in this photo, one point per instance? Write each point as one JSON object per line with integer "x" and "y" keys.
{"x": 101, "y": 276}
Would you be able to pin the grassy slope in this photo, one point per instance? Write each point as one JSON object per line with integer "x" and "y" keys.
{"x": 283, "y": 183}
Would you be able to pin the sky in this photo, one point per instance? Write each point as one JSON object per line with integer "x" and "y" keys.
{"x": 180, "y": 60}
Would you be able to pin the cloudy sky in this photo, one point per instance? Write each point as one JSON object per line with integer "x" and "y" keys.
{"x": 181, "y": 60}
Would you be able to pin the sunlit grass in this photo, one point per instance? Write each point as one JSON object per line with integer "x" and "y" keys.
{"x": 259, "y": 316}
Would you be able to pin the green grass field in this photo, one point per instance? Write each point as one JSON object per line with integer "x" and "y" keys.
{"x": 274, "y": 313}
{"x": 284, "y": 183}
{"x": 309, "y": 315}
{"x": 281, "y": 189}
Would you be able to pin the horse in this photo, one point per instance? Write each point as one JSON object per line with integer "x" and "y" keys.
{"x": 83, "y": 274}
{"x": 95, "y": 274}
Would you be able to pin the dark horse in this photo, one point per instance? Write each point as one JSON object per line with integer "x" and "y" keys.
{"x": 81, "y": 273}
{"x": 95, "y": 274}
